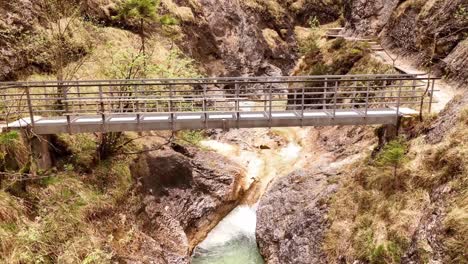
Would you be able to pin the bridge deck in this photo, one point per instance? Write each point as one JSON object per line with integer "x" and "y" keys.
{"x": 199, "y": 120}
{"x": 176, "y": 104}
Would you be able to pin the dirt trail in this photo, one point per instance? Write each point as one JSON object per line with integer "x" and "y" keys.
{"x": 443, "y": 91}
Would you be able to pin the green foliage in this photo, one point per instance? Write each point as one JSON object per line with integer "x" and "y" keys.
{"x": 192, "y": 137}
{"x": 309, "y": 45}
{"x": 338, "y": 44}
{"x": 127, "y": 65}
{"x": 9, "y": 139}
{"x": 393, "y": 154}
{"x": 462, "y": 14}
{"x": 313, "y": 22}
{"x": 168, "y": 20}
{"x": 176, "y": 65}
{"x": 387, "y": 253}
{"x": 11, "y": 149}
{"x": 130, "y": 64}
{"x": 82, "y": 149}
{"x": 139, "y": 10}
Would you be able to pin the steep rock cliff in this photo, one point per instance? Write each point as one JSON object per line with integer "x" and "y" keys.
{"x": 433, "y": 32}
{"x": 292, "y": 217}
{"x": 188, "y": 193}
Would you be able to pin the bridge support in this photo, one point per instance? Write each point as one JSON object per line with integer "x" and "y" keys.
{"x": 385, "y": 134}
{"x": 40, "y": 150}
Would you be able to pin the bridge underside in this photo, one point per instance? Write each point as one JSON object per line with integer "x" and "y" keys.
{"x": 210, "y": 120}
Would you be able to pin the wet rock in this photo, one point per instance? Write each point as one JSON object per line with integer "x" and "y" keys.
{"x": 187, "y": 196}
{"x": 292, "y": 219}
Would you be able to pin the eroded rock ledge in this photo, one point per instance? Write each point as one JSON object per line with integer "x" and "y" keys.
{"x": 188, "y": 193}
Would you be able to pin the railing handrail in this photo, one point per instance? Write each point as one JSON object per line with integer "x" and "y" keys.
{"x": 214, "y": 80}
{"x": 207, "y": 95}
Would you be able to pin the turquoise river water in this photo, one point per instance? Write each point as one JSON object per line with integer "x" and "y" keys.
{"x": 232, "y": 241}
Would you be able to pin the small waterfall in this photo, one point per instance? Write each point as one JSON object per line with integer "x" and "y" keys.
{"x": 232, "y": 241}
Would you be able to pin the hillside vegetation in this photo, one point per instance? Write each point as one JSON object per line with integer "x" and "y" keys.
{"x": 388, "y": 203}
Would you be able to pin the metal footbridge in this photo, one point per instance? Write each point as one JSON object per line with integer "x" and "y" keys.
{"x": 204, "y": 103}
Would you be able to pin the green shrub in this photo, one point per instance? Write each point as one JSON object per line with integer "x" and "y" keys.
{"x": 192, "y": 137}
{"x": 393, "y": 155}
{"x": 309, "y": 45}
{"x": 386, "y": 253}
{"x": 337, "y": 44}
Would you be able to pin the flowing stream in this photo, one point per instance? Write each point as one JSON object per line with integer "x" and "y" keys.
{"x": 233, "y": 240}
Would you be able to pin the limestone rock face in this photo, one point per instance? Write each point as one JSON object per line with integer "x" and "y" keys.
{"x": 188, "y": 193}
{"x": 16, "y": 19}
{"x": 432, "y": 28}
{"x": 228, "y": 36}
{"x": 292, "y": 219}
{"x": 455, "y": 63}
{"x": 249, "y": 38}
{"x": 433, "y": 32}
{"x": 366, "y": 18}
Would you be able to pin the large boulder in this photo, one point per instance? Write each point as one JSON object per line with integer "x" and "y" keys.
{"x": 292, "y": 219}
{"x": 188, "y": 192}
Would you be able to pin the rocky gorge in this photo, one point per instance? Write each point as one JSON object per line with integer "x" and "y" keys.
{"x": 295, "y": 195}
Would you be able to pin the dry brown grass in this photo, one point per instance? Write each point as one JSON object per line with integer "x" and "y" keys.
{"x": 58, "y": 218}
{"x": 375, "y": 214}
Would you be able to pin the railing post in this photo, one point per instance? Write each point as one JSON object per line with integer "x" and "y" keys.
{"x": 30, "y": 107}
{"x": 137, "y": 107}
{"x": 205, "y": 115}
{"x": 271, "y": 104}
{"x": 102, "y": 109}
{"x": 170, "y": 108}
{"x": 398, "y": 102}
{"x": 302, "y": 106}
{"x": 325, "y": 89}
{"x": 79, "y": 96}
{"x": 67, "y": 109}
{"x": 237, "y": 94}
{"x": 432, "y": 96}
{"x": 335, "y": 99}
{"x": 367, "y": 98}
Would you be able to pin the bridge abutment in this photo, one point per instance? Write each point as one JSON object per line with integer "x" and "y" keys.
{"x": 40, "y": 150}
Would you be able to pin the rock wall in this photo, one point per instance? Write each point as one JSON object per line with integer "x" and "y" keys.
{"x": 188, "y": 193}
{"x": 292, "y": 218}
{"x": 433, "y": 32}
{"x": 368, "y": 18}
{"x": 16, "y": 19}
{"x": 456, "y": 62}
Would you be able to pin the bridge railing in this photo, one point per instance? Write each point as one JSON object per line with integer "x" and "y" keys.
{"x": 243, "y": 94}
